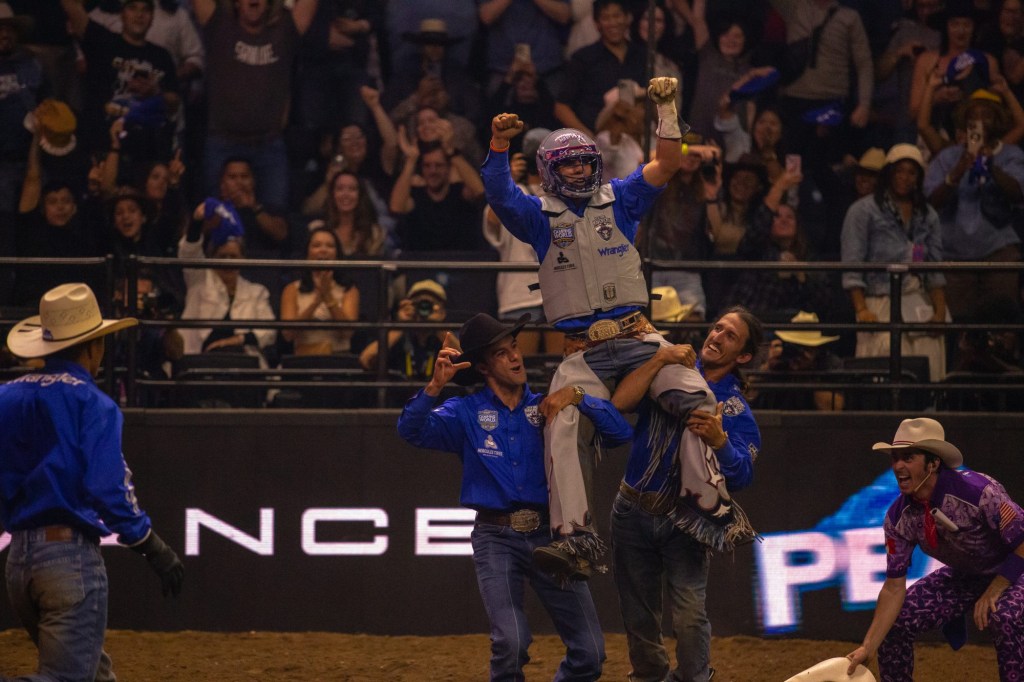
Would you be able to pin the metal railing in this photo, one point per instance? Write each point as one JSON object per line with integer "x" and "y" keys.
{"x": 895, "y": 383}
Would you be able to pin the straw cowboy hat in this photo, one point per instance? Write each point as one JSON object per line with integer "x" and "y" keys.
{"x": 923, "y": 434}
{"x": 476, "y": 335}
{"x": 68, "y": 314}
{"x": 805, "y": 338}
{"x": 668, "y": 308}
{"x": 871, "y": 161}
{"x": 833, "y": 670}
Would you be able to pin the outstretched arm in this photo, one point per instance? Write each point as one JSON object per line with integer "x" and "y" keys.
{"x": 890, "y": 601}
{"x": 662, "y": 91}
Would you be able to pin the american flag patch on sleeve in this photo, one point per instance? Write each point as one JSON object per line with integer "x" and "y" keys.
{"x": 1007, "y": 514}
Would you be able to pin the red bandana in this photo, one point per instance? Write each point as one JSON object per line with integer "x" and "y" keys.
{"x": 930, "y": 533}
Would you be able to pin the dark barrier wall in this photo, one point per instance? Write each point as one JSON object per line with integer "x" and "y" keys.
{"x": 328, "y": 521}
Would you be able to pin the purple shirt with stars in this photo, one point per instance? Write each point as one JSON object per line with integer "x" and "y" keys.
{"x": 990, "y": 524}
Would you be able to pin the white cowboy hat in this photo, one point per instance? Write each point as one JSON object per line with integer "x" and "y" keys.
{"x": 805, "y": 337}
{"x": 833, "y": 670}
{"x": 668, "y": 308}
{"x": 68, "y": 314}
{"x": 923, "y": 434}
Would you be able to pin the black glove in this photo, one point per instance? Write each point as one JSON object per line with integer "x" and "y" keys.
{"x": 164, "y": 561}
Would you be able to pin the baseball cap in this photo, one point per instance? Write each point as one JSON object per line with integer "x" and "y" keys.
{"x": 429, "y": 287}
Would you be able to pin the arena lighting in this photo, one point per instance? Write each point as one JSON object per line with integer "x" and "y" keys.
{"x": 845, "y": 550}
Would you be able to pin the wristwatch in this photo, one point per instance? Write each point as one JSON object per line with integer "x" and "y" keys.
{"x": 577, "y": 395}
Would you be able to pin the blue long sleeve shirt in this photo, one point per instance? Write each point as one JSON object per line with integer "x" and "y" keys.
{"x": 735, "y": 458}
{"x": 522, "y": 215}
{"x": 502, "y": 450}
{"x": 60, "y": 456}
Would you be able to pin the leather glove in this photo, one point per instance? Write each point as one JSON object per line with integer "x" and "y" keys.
{"x": 662, "y": 91}
{"x": 164, "y": 561}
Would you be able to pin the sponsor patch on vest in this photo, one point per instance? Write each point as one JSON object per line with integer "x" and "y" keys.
{"x": 608, "y": 291}
{"x": 603, "y": 226}
{"x": 564, "y": 263}
{"x": 733, "y": 406}
{"x": 489, "y": 442}
{"x": 487, "y": 419}
{"x": 563, "y": 235}
{"x": 533, "y": 415}
{"x": 619, "y": 250}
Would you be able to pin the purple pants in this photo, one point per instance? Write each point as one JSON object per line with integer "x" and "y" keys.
{"x": 937, "y": 599}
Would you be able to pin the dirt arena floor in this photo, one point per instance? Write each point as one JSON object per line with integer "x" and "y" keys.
{"x": 240, "y": 657}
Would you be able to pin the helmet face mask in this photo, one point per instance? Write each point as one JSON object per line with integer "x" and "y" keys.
{"x": 567, "y": 148}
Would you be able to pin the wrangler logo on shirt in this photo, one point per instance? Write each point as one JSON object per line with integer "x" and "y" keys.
{"x": 49, "y": 379}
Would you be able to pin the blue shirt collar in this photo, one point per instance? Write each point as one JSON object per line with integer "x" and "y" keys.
{"x": 58, "y": 365}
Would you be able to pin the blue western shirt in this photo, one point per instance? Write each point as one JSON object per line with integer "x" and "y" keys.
{"x": 735, "y": 458}
{"x": 60, "y": 456}
{"x": 502, "y": 450}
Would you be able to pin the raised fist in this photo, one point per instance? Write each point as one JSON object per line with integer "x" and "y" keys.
{"x": 506, "y": 126}
{"x": 662, "y": 89}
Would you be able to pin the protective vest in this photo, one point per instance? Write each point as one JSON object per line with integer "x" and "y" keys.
{"x": 591, "y": 265}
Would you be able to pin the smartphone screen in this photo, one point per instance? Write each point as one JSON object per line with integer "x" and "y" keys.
{"x": 626, "y": 92}
{"x": 975, "y": 136}
{"x": 793, "y": 163}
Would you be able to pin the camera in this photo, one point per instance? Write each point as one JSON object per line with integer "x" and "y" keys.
{"x": 709, "y": 169}
{"x": 424, "y": 308}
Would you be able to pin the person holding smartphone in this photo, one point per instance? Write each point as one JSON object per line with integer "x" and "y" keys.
{"x": 976, "y": 186}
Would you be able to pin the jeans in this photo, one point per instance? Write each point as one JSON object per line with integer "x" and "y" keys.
{"x": 647, "y": 549}
{"x": 269, "y": 161}
{"x": 59, "y": 592}
{"x": 504, "y": 564}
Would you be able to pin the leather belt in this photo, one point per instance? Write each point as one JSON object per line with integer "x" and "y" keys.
{"x": 657, "y": 504}
{"x": 521, "y": 520}
{"x": 58, "y": 533}
{"x": 600, "y": 331}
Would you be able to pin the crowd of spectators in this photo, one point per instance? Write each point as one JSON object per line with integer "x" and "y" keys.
{"x": 354, "y": 129}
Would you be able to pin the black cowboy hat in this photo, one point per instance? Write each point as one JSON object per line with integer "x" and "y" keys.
{"x": 477, "y": 335}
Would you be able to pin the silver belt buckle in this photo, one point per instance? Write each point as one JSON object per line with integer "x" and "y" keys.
{"x": 524, "y": 520}
{"x": 603, "y": 330}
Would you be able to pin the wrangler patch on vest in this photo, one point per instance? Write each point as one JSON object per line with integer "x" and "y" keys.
{"x": 608, "y": 291}
{"x": 603, "y": 226}
{"x": 563, "y": 236}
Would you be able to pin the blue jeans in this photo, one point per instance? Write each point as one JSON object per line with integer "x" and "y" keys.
{"x": 269, "y": 161}
{"x": 59, "y": 592}
{"x": 646, "y": 550}
{"x": 504, "y": 564}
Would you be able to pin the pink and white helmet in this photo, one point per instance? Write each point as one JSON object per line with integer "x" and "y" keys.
{"x": 563, "y": 146}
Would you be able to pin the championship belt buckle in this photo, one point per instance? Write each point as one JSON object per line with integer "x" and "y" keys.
{"x": 603, "y": 330}
{"x": 524, "y": 520}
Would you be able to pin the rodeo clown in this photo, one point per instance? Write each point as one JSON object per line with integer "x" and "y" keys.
{"x": 967, "y": 521}
{"x": 496, "y": 432}
{"x": 594, "y": 291}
